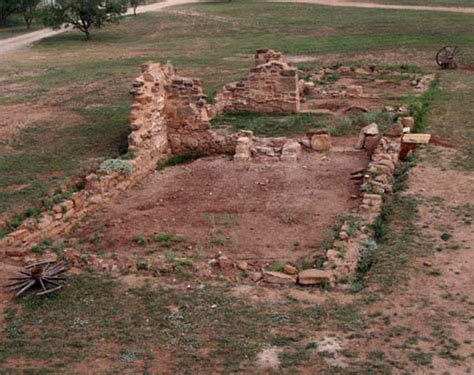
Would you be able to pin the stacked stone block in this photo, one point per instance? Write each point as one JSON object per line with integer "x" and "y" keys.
{"x": 271, "y": 87}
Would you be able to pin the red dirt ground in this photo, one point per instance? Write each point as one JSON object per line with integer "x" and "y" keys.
{"x": 262, "y": 211}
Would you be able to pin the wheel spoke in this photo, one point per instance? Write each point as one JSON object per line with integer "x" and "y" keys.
{"x": 29, "y": 285}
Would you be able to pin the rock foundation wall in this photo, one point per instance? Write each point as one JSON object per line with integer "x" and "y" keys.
{"x": 344, "y": 257}
{"x": 169, "y": 115}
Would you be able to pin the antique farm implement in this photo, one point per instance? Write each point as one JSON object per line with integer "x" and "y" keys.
{"x": 43, "y": 275}
{"x": 447, "y": 57}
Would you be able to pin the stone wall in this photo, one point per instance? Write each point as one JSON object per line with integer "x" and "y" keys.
{"x": 188, "y": 120}
{"x": 169, "y": 115}
{"x": 343, "y": 258}
{"x": 271, "y": 87}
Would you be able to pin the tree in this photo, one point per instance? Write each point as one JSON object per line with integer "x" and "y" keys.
{"x": 28, "y": 9}
{"x": 7, "y": 8}
{"x": 83, "y": 14}
{"x": 135, "y": 4}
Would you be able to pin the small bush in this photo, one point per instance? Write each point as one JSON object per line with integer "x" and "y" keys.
{"x": 419, "y": 107}
{"x": 366, "y": 257}
{"x": 277, "y": 267}
{"x": 117, "y": 165}
{"x": 445, "y": 236}
{"x": 42, "y": 247}
{"x": 168, "y": 238}
{"x": 383, "y": 119}
{"x": 140, "y": 240}
{"x": 218, "y": 239}
{"x": 128, "y": 155}
{"x": 142, "y": 264}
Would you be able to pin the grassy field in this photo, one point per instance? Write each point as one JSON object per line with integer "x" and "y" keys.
{"x": 448, "y": 3}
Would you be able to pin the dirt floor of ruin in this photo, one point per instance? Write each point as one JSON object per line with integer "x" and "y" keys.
{"x": 261, "y": 212}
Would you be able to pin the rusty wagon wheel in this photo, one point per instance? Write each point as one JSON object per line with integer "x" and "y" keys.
{"x": 446, "y": 58}
{"x": 44, "y": 275}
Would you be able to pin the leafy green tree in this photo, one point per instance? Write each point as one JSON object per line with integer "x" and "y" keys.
{"x": 7, "y": 8}
{"x": 29, "y": 9}
{"x": 83, "y": 14}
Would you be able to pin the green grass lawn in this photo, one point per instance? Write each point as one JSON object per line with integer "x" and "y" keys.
{"x": 449, "y": 3}
{"x": 91, "y": 79}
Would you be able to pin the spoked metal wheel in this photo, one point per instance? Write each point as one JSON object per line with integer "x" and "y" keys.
{"x": 447, "y": 57}
{"x": 44, "y": 275}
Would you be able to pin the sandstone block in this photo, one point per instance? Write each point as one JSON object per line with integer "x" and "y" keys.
{"x": 242, "y": 150}
{"x": 371, "y": 142}
{"x": 278, "y": 278}
{"x": 321, "y": 142}
{"x": 290, "y": 270}
{"x": 371, "y": 129}
{"x": 16, "y": 252}
{"x": 332, "y": 255}
{"x": 255, "y": 276}
{"x": 408, "y": 122}
{"x": 396, "y": 130}
{"x": 291, "y": 151}
{"x": 243, "y": 266}
{"x": 344, "y": 70}
{"x": 315, "y": 277}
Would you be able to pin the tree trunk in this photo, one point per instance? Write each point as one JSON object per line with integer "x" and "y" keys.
{"x": 28, "y": 20}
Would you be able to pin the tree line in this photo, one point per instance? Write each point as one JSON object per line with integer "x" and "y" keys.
{"x": 78, "y": 14}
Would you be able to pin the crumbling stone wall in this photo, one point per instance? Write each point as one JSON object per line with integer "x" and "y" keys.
{"x": 271, "y": 87}
{"x": 187, "y": 117}
{"x": 147, "y": 116}
{"x": 377, "y": 182}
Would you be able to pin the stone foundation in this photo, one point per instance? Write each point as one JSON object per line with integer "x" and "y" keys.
{"x": 170, "y": 116}
{"x": 343, "y": 258}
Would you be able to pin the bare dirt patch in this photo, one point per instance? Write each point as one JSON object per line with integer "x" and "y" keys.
{"x": 260, "y": 212}
{"x": 14, "y": 117}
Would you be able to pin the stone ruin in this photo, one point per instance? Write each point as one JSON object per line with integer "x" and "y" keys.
{"x": 170, "y": 116}
{"x": 271, "y": 87}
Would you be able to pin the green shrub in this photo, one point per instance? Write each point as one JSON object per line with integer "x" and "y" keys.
{"x": 419, "y": 107}
{"x": 140, "y": 240}
{"x": 117, "y": 165}
{"x": 168, "y": 238}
